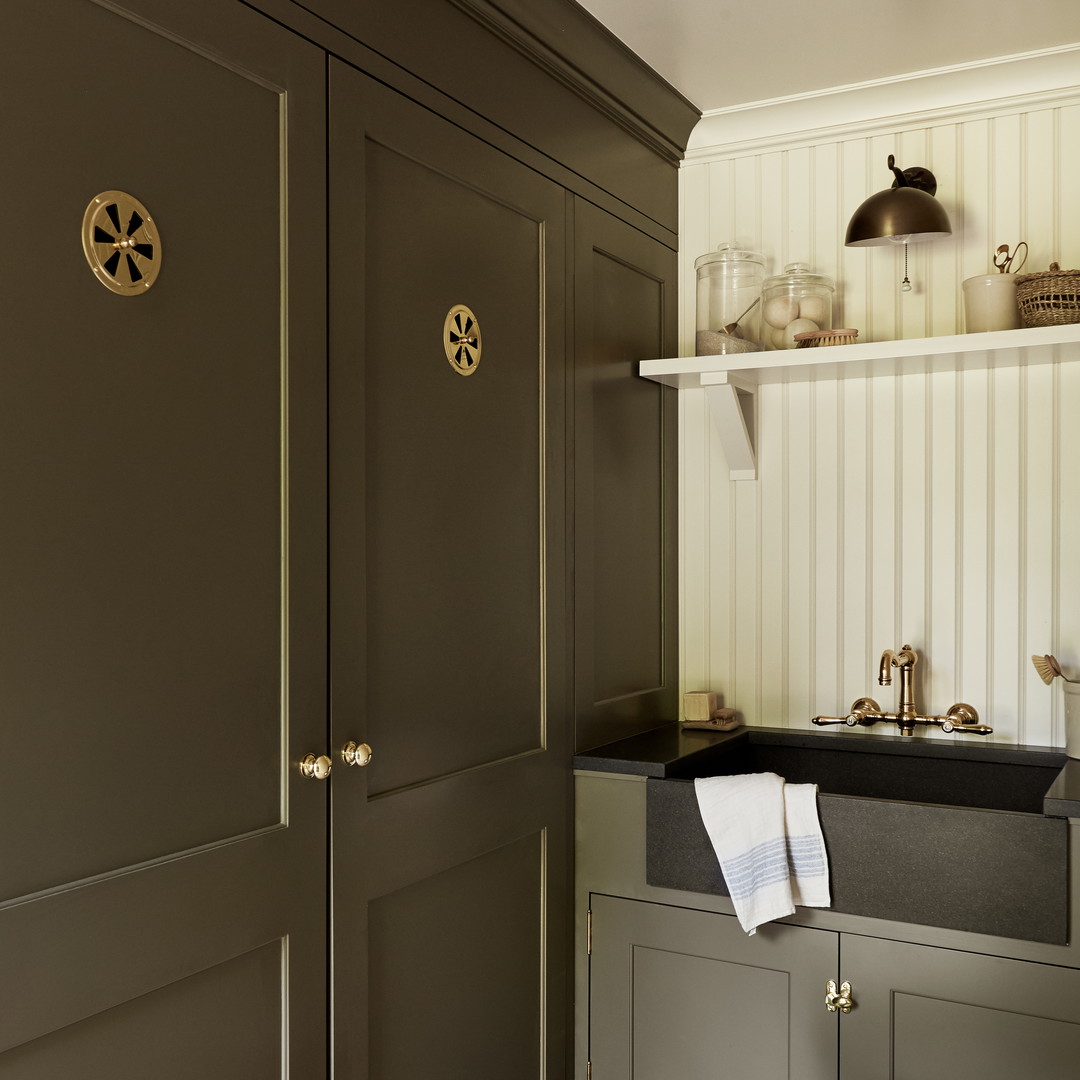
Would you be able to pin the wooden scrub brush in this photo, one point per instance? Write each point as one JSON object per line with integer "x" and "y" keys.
{"x": 1049, "y": 669}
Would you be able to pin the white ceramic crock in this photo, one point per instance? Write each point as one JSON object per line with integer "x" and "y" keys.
{"x": 990, "y": 303}
{"x": 1072, "y": 719}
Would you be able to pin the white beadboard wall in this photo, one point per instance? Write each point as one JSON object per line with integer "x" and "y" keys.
{"x": 940, "y": 510}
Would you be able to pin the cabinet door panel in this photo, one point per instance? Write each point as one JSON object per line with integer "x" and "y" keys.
{"x": 934, "y": 1014}
{"x": 678, "y": 992}
{"x": 625, "y": 483}
{"x": 453, "y": 503}
{"x": 219, "y": 1022}
{"x": 448, "y": 579}
{"x": 162, "y": 540}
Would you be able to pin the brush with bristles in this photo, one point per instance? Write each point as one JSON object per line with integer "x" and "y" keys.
{"x": 1049, "y": 669}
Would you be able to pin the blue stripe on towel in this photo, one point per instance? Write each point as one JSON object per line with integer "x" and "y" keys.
{"x": 773, "y": 861}
{"x": 806, "y": 857}
{"x": 763, "y": 864}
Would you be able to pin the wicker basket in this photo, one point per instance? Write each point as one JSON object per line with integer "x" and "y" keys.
{"x": 1051, "y": 298}
{"x": 813, "y": 339}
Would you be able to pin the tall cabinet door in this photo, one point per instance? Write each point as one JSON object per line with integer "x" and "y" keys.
{"x": 447, "y": 584}
{"x": 162, "y": 544}
{"x": 625, "y": 482}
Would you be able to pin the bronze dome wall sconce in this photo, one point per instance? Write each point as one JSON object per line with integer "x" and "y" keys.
{"x": 906, "y": 213}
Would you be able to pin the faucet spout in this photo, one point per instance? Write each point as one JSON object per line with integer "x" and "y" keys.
{"x": 884, "y": 675}
{"x": 905, "y": 660}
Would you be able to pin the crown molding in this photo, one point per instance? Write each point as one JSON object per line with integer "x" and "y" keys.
{"x": 589, "y": 60}
{"x": 1047, "y": 76}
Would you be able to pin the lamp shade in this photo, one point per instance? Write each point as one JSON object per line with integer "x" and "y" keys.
{"x": 905, "y": 213}
{"x": 902, "y": 213}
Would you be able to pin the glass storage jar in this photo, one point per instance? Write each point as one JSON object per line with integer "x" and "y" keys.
{"x": 728, "y": 288}
{"x": 794, "y": 302}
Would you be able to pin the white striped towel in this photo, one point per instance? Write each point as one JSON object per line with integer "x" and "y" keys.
{"x": 767, "y": 838}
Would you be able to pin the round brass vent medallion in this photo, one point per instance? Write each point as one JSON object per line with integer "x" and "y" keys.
{"x": 461, "y": 339}
{"x": 121, "y": 243}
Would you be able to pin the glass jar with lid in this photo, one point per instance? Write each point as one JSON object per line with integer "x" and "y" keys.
{"x": 795, "y": 302}
{"x": 728, "y": 290}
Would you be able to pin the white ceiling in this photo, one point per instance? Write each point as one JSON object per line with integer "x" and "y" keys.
{"x": 720, "y": 53}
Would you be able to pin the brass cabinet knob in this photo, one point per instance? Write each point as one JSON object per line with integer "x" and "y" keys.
{"x": 358, "y": 754}
{"x": 838, "y": 1002}
{"x": 315, "y": 768}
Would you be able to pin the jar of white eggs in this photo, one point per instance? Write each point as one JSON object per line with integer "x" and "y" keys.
{"x": 728, "y": 300}
{"x": 794, "y": 302}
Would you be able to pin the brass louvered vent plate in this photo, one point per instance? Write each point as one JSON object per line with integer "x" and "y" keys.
{"x": 461, "y": 339}
{"x": 121, "y": 243}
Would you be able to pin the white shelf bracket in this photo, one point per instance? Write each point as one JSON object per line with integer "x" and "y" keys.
{"x": 732, "y": 408}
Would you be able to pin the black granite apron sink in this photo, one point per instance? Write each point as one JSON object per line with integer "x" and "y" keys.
{"x": 918, "y": 831}
{"x": 890, "y": 767}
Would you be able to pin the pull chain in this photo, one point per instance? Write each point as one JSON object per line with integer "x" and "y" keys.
{"x": 905, "y": 285}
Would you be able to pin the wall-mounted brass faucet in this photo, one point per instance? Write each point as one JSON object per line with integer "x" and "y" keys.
{"x": 867, "y": 712}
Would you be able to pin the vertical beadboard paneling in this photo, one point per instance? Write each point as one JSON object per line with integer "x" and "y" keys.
{"x": 943, "y": 549}
{"x": 696, "y": 558}
{"x": 1067, "y": 249}
{"x": 744, "y": 612}
{"x": 1004, "y": 650}
{"x": 694, "y": 221}
{"x": 1042, "y": 172}
{"x": 826, "y": 584}
{"x": 725, "y": 188}
{"x": 884, "y": 554}
{"x": 972, "y": 227}
{"x": 973, "y": 594}
{"x": 720, "y": 528}
{"x": 825, "y": 232}
{"x": 1005, "y": 178}
{"x": 912, "y": 307}
{"x": 939, "y": 509}
{"x": 1066, "y": 641}
{"x": 1038, "y": 518}
{"x": 772, "y": 543}
{"x": 854, "y": 289}
{"x": 913, "y": 456}
{"x": 944, "y": 261}
{"x": 855, "y": 439}
{"x": 800, "y": 554}
{"x": 775, "y": 210}
{"x": 744, "y": 224}
{"x": 797, "y": 220}
{"x": 886, "y": 264}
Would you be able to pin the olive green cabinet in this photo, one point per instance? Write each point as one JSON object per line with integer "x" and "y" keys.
{"x": 162, "y": 545}
{"x": 256, "y": 513}
{"x": 624, "y": 482}
{"x": 448, "y": 597}
{"x": 679, "y": 992}
{"x": 928, "y": 1013}
{"x": 675, "y": 992}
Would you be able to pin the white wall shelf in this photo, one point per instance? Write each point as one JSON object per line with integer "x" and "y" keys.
{"x": 730, "y": 380}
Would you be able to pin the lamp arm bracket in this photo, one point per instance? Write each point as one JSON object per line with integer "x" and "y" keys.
{"x": 916, "y": 177}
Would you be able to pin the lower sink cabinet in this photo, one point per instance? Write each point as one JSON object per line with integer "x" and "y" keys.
{"x": 681, "y": 994}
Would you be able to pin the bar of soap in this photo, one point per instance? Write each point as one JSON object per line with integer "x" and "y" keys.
{"x": 699, "y": 705}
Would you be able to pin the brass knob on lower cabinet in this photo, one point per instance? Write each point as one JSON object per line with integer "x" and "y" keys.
{"x": 315, "y": 768}
{"x": 838, "y": 1002}
{"x": 353, "y": 753}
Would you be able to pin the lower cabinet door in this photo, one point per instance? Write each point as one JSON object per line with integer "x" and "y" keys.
{"x": 936, "y": 1014}
{"x": 681, "y": 993}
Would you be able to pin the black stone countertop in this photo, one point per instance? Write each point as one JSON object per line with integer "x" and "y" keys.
{"x": 669, "y": 752}
{"x": 1063, "y": 798}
